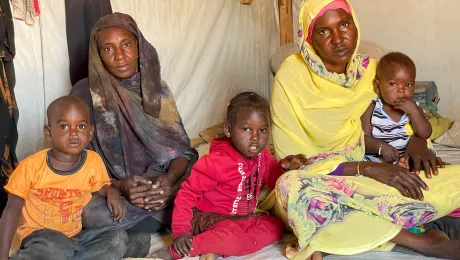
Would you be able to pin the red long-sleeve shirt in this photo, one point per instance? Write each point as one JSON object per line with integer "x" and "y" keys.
{"x": 223, "y": 182}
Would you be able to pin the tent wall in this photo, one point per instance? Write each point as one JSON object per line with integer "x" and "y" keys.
{"x": 209, "y": 50}
{"x": 424, "y": 30}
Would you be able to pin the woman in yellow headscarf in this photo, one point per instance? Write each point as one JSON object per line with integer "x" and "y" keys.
{"x": 318, "y": 98}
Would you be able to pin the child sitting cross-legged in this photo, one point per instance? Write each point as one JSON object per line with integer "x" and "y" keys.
{"x": 214, "y": 211}
{"x": 52, "y": 187}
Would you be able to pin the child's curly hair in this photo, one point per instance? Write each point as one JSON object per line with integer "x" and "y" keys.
{"x": 395, "y": 58}
{"x": 247, "y": 100}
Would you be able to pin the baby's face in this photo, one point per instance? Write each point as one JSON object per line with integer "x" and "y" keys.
{"x": 396, "y": 82}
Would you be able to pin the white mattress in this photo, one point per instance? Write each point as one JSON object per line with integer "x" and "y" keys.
{"x": 448, "y": 154}
{"x": 276, "y": 252}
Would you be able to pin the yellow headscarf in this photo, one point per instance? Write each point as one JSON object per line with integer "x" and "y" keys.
{"x": 309, "y": 12}
{"x": 316, "y": 112}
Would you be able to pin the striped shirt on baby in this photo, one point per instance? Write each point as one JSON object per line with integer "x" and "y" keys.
{"x": 385, "y": 129}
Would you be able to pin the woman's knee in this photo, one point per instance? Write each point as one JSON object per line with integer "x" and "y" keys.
{"x": 96, "y": 214}
{"x": 116, "y": 238}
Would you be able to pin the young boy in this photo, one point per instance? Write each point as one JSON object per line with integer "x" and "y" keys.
{"x": 53, "y": 186}
{"x": 214, "y": 211}
{"x": 391, "y": 120}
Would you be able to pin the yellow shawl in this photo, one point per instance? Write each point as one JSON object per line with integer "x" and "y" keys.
{"x": 316, "y": 112}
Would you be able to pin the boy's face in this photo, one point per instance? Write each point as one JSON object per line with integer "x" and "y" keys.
{"x": 69, "y": 129}
{"x": 395, "y": 82}
{"x": 250, "y": 133}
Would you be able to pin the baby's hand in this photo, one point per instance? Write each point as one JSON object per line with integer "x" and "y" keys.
{"x": 389, "y": 153}
{"x": 183, "y": 244}
{"x": 116, "y": 206}
{"x": 408, "y": 106}
{"x": 294, "y": 162}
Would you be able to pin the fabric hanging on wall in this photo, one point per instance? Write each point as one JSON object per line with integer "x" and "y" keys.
{"x": 25, "y": 10}
{"x": 8, "y": 109}
{"x": 81, "y": 15}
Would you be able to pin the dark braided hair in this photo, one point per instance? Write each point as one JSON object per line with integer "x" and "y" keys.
{"x": 247, "y": 100}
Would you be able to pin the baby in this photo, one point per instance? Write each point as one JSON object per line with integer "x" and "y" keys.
{"x": 391, "y": 120}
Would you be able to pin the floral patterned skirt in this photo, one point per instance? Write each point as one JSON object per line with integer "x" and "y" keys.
{"x": 350, "y": 215}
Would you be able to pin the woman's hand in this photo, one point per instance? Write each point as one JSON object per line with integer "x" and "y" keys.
{"x": 294, "y": 162}
{"x": 162, "y": 192}
{"x": 408, "y": 183}
{"x": 116, "y": 206}
{"x": 421, "y": 157}
{"x": 136, "y": 189}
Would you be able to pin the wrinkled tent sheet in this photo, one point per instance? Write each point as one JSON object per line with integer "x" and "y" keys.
{"x": 210, "y": 50}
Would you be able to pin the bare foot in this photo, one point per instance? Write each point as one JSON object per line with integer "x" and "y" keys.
{"x": 209, "y": 257}
{"x": 437, "y": 244}
{"x": 403, "y": 163}
{"x": 315, "y": 256}
{"x": 163, "y": 253}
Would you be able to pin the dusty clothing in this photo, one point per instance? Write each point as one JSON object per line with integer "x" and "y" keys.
{"x": 55, "y": 199}
{"x": 225, "y": 183}
{"x": 201, "y": 221}
{"x": 236, "y": 237}
{"x": 92, "y": 244}
{"x": 138, "y": 129}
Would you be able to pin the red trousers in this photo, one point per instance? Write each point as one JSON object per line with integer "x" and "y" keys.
{"x": 236, "y": 237}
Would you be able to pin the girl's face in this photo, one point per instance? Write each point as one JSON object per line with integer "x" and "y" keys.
{"x": 250, "y": 133}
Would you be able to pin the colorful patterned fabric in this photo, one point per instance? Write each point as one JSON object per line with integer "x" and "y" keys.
{"x": 349, "y": 215}
{"x": 9, "y": 118}
{"x": 317, "y": 113}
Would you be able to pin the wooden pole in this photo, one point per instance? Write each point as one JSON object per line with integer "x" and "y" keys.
{"x": 286, "y": 29}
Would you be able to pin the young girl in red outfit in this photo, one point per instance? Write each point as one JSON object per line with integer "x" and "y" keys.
{"x": 214, "y": 211}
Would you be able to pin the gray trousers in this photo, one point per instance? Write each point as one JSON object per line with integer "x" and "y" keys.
{"x": 109, "y": 243}
{"x": 449, "y": 225}
{"x": 96, "y": 214}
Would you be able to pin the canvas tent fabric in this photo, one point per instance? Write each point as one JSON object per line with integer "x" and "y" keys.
{"x": 209, "y": 51}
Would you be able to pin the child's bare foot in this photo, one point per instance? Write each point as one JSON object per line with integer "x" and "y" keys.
{"x": 163, "y": 253}
{"x": 209, "y": 257}
{"x": 403, "y": 163}
{"x": 315, "y": 256}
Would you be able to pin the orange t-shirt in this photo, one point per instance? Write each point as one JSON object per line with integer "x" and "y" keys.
{"x": 55, "y": 200}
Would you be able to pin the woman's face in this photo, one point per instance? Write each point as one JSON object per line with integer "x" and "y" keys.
{"x": 118, "y": 50}
{"x": 334, "y": 38}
